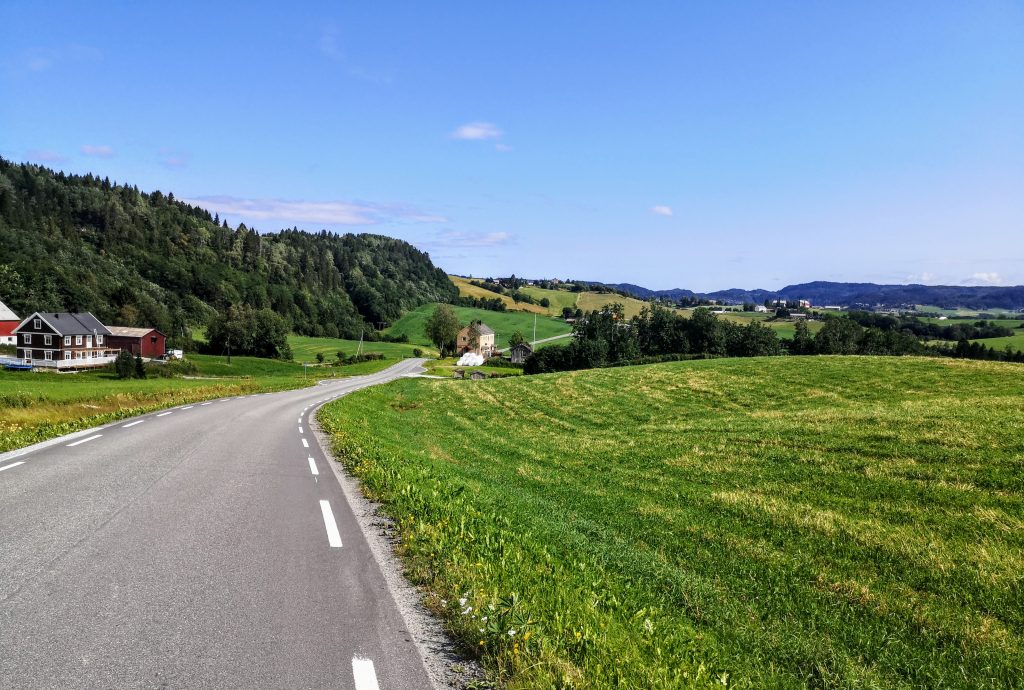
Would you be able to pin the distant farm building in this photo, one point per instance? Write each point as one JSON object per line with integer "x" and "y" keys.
{"x": 760, "y": 308}
{"x": 8, "y": 322}
{"x": 518, "y": 353}
{"x": 63, "y": 340}
{"x": 145, "y": 342}
{"x": 477, "y": 338}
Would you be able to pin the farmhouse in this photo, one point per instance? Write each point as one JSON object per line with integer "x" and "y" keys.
{"x": 145, "y": 342}
{"x": 61, "y": 339}
{"x": 760, "y": 308}
{"x": 8, "y": 322}
{"x": 519, "y": 352}
{"x": 477, "y": 338}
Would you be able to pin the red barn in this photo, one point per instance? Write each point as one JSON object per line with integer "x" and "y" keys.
{"x": 147, "y": 342}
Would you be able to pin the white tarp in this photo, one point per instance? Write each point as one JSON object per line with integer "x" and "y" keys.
{"x": 470, "y": 359}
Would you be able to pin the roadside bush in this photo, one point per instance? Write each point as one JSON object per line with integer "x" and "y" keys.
{"x": 172, "y": 369}
{"x": 501, "y": 362}
{"x": 124, "y": 365}
{"x": 416, "y": 352}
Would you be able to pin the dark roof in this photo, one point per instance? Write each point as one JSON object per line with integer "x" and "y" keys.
{"x": 526, "y": 346}
{"x": 66, "y": 323}
{"x": 482, "y": 329}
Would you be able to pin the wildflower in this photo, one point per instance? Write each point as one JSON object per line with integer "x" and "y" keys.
{"x": 468, "y": 609}
{"x": 462, "y": 601}
{"x": 511, "y": 632}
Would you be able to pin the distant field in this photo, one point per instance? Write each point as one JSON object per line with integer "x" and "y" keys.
{"x": 466, "y": 289}
{"x": 304, "y": 348}
{"x": 590, "y": 301}
{"x": 825, "y": 522}
{"x": 503, "y": 323}
{"x": 558, "y": 298}
{"x": 446, "y": 367}
{"x": 1014, "y": 341}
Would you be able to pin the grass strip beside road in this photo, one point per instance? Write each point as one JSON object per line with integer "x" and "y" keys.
{"x": 786, "y": 522}
{"x": 36, "y": 406}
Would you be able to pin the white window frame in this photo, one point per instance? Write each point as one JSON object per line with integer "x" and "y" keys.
{"x": 78, "y": 340}
{"x": 28, "y": 338}
{"x": 37, "y": 324}
{"x": 48, "y": 355}
{"x": 67, "y": 341}
{"x": 47, "y": 340}
{"x": 88, "y": 341}
{"x": 99, "y": 340}
{"x": 67, "y": 355}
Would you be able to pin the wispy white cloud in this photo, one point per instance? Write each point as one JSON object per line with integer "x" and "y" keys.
{"x": 170, "y": 158}
{"x": 46, "y": 156}
{"x": 477, "y": 131}
{"x": 661, "y": 210}
{"x": 456, "y": 238}
{"x": 329, "y": 45}
{"x": 102, "y": 150}
{"x": 985, "y": 278}
{"x": 317, "y": 212}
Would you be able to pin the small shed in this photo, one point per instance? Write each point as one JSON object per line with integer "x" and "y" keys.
{"x": 518, "y": 353}
{"x": 147, "y": 342}
{"x": 477, "y": 375}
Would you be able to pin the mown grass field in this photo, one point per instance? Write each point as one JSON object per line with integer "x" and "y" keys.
{"x": 557, "y": 298}
{"x": 829, "y": 522}
{"x": 35, "y": 406}
{"x": 467, "y": 289}
{"x": 446, "y": 367}
{"x": 1015, "y": 341}
{"x": 304, "y": 348}
{"x": 590, "y": 301}
{"x": 504, "y": 324}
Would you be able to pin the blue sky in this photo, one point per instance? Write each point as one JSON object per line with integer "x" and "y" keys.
{"x": 698, "y": 145}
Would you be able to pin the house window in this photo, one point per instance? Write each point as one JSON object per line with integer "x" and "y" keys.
{"x": 67, "y": 355}
{"x": 78, "y": 340}
{"x": 37, "y": 324}
{"x": 99, "y": 339}
{"x": 88, "y": 341}
{"x": 28, "y": 338}
{"x": 48, "y": 356}
{"x": 67, "y": 341}
{"x": 47, "y": 340}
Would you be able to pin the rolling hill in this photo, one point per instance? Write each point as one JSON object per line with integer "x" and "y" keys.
{"x": 82, "y": 243}
{"x": 504, "y": 324}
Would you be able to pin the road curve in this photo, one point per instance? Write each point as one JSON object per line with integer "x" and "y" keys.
{"x": 206, "y": 546}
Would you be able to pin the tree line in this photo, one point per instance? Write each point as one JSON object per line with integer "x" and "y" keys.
{"x": 84, "y": 243}
{"x": 606, "y": 338}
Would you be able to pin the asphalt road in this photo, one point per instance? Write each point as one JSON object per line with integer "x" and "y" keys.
{"x": 195, "y": 548}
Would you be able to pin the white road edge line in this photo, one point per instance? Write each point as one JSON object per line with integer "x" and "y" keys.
{"x": 188, "y": 408}
{"x": 312, "y": 466}
{"x": 164, "y": 414}
{"x": 205, "y": 404}
{"x": 131, "y": 424}
{"x": 305, "y": 443}
{"x": 22, "y": 462}
{"x": 300, "y": 430}
{"x": 84, "y": 440}
{"x": 333, "y": 537}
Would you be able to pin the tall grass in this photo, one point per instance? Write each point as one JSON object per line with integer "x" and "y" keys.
{"x": 786, "y": 522}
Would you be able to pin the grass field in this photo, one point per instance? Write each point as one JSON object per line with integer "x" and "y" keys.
{"x": 467, "y": 289}
{"x": 304, "y": 348}
{"x": 589, "y": 301}
{"x": 35, "y": 406}
{"x": 446, "y": 367}
{"x": 1015, "y": 341}
{"x": 557, "y": 298}
{"x": 504, "y": 324}
{"x": 793, "y": 522}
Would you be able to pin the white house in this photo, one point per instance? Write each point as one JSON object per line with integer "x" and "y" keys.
{"x": 8, "y": 322}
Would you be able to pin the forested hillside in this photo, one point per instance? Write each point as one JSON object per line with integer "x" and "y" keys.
{"x": 70, "y": 242}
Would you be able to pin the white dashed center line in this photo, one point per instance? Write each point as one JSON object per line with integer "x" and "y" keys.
{"x": 364, "y": 674}
{"x": 164, "y": 414}
{"x": 205, "y": 404}
{"x": 333, "y": 537}
{"x": 312, "y": 466}
{"x": 305, "y": 443}
{"x": 188, "y": 408}
{"x": 84, "y": 440}
{"x": 131, "y": 424}
{"x": 300, "y": 429}
{"x": 22, "y": 462}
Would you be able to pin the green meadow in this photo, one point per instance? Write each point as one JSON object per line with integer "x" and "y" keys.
{"x": 37, "y": 405}
{"x": 826, "y": 522}
{"x": 305, "y": 348}
{"x": 504, "y": 324}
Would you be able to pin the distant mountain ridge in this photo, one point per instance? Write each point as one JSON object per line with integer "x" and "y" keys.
{"x": 822, "y": 293}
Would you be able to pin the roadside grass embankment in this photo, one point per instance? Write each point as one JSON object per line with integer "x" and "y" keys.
{"x": 36, "y": 406}
{"x": 788, "y": 522}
